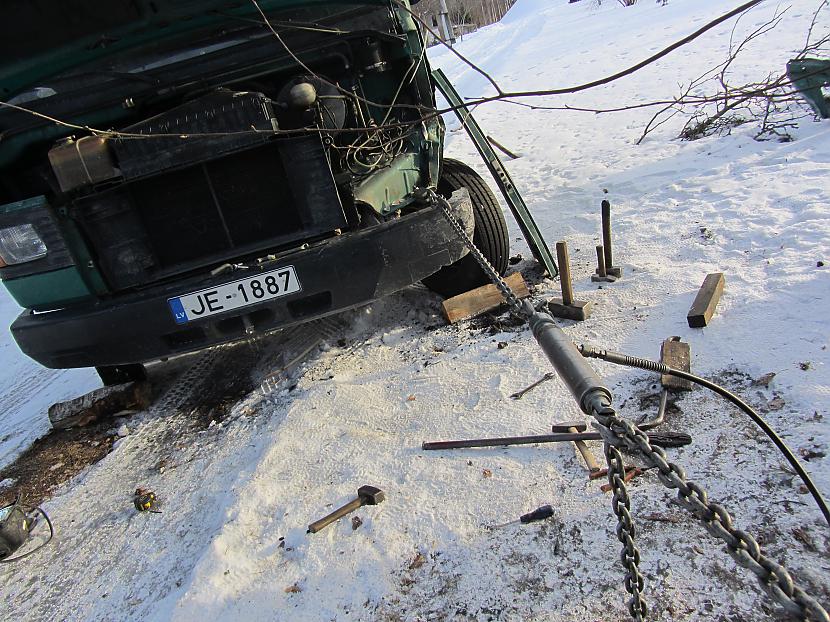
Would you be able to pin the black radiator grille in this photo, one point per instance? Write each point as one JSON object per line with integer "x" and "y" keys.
{"x": 212, "y": 211}
{"x": 217, "y": 206}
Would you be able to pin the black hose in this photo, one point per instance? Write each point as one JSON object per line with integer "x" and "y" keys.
{"x": 660, "y": 368}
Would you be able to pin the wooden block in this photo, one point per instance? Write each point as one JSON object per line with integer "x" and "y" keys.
{"x": 578, "y": 310}
{"x": 676, "y": 354}
{"x": 706, "y": 301}
{"x": 481, "y": 299}
{"x": 100, "y": 403}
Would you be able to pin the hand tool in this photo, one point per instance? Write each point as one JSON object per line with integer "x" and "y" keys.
{"x": 567, "y": 307}
{"x": 145, "y": 500}
{"x": 520, "y": 394}
{"x": 538, "y": 514}
{"x": 662, "y": 439}
{"x": 366, "y": 495}
{"x": 590, "y": 461}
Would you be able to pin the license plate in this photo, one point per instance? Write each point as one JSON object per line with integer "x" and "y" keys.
{"x": 241, "y": 293}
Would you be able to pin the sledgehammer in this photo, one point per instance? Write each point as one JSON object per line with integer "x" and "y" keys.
{"x": 366, "y": 495}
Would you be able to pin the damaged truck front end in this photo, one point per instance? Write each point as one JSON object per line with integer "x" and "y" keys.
{"x": 179, "y": 174}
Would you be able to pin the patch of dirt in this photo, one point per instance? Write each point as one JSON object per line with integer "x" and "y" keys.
{"x": 55, "y": 459}
{"x": 500, "y": 320}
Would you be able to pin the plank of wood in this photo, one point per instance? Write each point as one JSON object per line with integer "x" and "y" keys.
{"x": 706, "y": 300}
{"x": 481, "y": 299}
{"x": 676, "y": 354}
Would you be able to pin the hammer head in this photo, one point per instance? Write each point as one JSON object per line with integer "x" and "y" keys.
{"x": 566, "y": 427}
{"x": 370, "y": 495}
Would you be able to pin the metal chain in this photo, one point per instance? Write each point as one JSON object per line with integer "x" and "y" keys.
{"x": 617, "y": 432}
{"x": 509, "y": 297}
{"x": 774, "y": 578}
{"x": 626, "y": 532}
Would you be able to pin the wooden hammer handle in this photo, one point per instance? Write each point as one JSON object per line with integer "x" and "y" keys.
{"x": 338, "y": 513}
{"x": 587, "y": 456}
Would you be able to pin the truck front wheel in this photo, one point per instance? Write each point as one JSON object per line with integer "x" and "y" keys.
{"x": 490, "y": 236}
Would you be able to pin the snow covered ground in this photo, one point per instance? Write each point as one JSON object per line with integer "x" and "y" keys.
{"x": 231, "y": 542}
{"x": 27, "y": 390}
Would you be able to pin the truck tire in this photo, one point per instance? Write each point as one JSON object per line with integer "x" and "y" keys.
{"x": 490, "y": 236}
{"x": 119, "y": 374}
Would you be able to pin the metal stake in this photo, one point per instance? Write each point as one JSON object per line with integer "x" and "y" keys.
{"x": 606, "y": 241}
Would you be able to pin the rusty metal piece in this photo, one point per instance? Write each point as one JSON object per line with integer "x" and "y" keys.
{"x": 663, "y": 439}
{"x": 635, "y": 472}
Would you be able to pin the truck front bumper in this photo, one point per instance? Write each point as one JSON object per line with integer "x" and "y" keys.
{"x": 336, "y": 274}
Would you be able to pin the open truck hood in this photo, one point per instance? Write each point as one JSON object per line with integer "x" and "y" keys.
{"x": 40, "y": 38}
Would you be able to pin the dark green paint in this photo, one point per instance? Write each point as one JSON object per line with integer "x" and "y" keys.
{"x": 170, "y": 19}
{"x": 49, "y": 290}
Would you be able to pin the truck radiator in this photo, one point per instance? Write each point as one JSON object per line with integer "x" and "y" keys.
{"x": 264, "y": 198}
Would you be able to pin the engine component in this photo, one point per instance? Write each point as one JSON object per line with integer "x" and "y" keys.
{"x": 372, "y": 56}
{"x": 82, "y": 162}
{"x": 302, "y": 96}
{"x": 221, "y": 122}
{"x": 296, "y": 104}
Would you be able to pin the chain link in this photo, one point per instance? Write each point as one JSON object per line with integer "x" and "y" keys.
{"x": 626, "y": 532}
{"x": 774, "y": 578}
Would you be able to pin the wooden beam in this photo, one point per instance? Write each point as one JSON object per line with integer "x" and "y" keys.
{"x": 706, "y": 301}
{"x": 99, "y": 404}
{"x": 481, "y": 299}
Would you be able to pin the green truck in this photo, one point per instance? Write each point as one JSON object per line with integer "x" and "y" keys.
{"x": 176, "y": 174}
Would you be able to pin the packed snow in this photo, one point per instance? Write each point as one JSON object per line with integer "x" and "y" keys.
{"x": 230, "y": 543}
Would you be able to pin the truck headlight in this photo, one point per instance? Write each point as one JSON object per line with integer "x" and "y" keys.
{"x": 20, "y": 244}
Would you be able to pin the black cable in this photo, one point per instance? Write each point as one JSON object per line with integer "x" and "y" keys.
{"x": 660, "y": 368}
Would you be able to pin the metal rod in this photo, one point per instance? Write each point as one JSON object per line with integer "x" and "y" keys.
{"x": 606, "y": 234}
{"x": 601, "y": 261}
{"x": 565, "y": 273}
{"x": 665, "y": 439}
{"x": 661, "y": 412}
